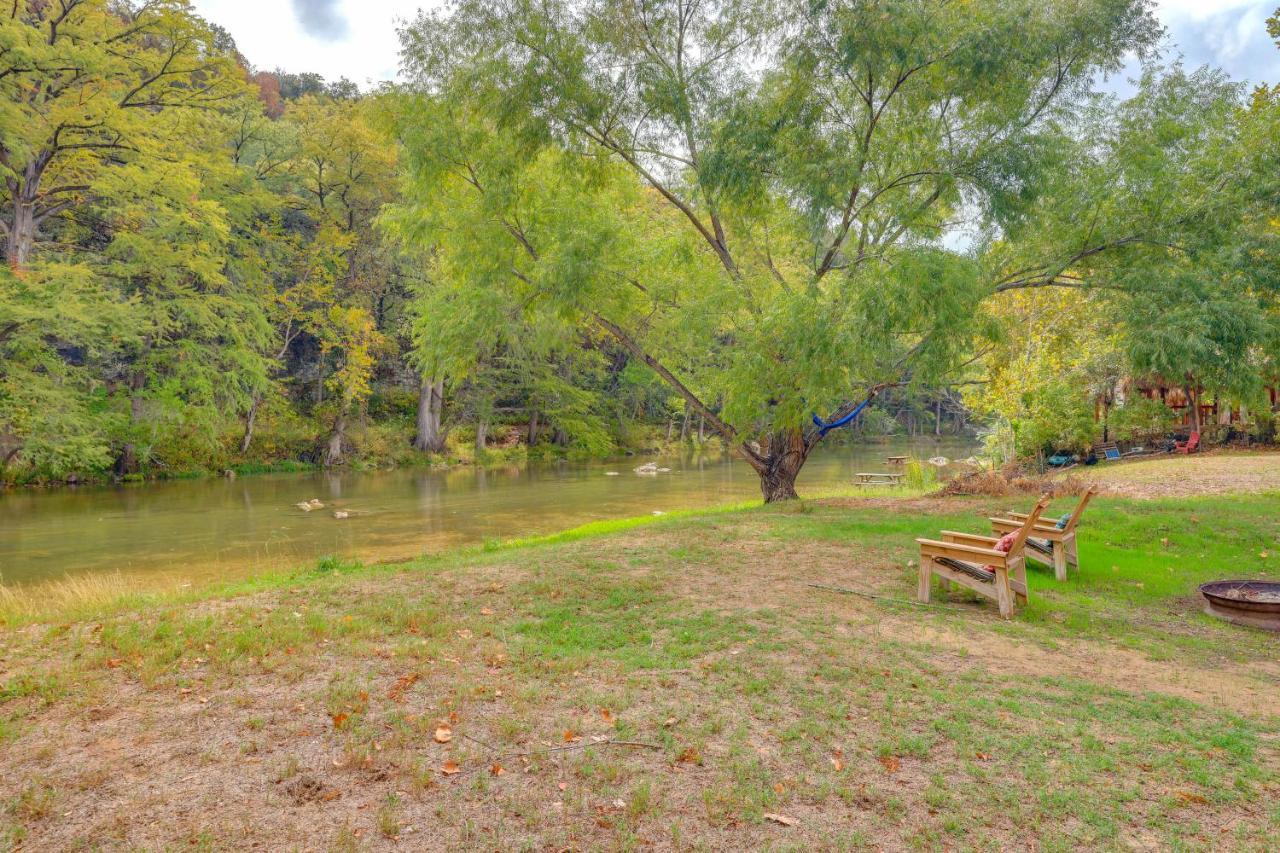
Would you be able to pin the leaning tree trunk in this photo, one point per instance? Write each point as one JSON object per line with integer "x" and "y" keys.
{"x": 430, "y": 438}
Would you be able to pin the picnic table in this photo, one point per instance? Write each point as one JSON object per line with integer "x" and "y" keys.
{"x": 876, "y": 478}
{"x": 896, "y": 460}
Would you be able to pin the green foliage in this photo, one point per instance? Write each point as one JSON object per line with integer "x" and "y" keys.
{"x": 1056, "y": 416}
{"x": 583, "y": 216}
{"x": 1140, "y": 418}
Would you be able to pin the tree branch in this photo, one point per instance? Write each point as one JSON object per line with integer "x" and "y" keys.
{"x": 632, "y": 346}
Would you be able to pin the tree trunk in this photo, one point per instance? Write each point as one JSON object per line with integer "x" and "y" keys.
{"x": 249, "y": 420}
{"x": 22, "y": 232}
{"x": 684, "y": 427}
{"x": 937, "y": 417}
{"x": 333, "y": 452}
{"x": 671, "y": 425}
{"x": 702, "y": 430}
{"x": 1193, "y": 403}
{"x": 430, "y": 438}
{"x": 779, "y": 465}
{"x": 482, "y": 434}
{"x": 127, "y": 463}
{"x": 533, "y": 427}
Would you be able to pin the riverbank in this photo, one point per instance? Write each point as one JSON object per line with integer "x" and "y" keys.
{"x": 676, "y": 683}
{"x": 374, "y": 446}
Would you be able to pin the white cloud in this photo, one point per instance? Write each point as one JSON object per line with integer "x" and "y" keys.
{"x": 321, "y": 18}
{"x": 270, "y": 35}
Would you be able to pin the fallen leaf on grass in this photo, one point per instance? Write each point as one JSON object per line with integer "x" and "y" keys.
{"x": 982, "y": 756}
{"x": 339, "y": 718}
{"x": 890, "y": 762}
{"x": 450, "y": 767}
{"x": 444, "y": 734}
{"x": 670, "y": 721}
{"x": 114, "y": 663}
{"x": 836, "y": 763}
{"x": 1189, "y": 797}
{"x": 779, "y": 787}
{"x": 570, "y": 736}
{"x": 486, "y": 611}
{"x": 562, "y": 785}
{"x": 688, "y": 756}
{"x": 497, "y": 770}
{"x": 780, "y": 818}
{"x": 402, "y": 685}
{"x": 606, "y": 715}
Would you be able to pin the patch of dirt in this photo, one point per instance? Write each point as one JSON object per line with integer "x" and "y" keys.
{"x": 308, "y": 789}
{"x": 1248, "y": 689}
{"x": 1213, "y": 473}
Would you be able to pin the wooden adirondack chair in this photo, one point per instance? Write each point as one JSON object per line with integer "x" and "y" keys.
{"x": 1189, "y": 446}
{"x": 1048, "y": 543}
{"x": 964, "y": 558}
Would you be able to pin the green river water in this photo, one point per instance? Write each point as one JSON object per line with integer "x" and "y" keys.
{"x": 217, "y": 529}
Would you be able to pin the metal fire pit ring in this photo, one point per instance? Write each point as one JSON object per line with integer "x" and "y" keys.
{"x": 1252, "y": 603}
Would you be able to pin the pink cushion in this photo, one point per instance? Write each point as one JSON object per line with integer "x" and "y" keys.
{"x": 1005, "y": 543}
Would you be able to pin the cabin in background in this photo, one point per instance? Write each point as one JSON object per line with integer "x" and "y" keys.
{"x": 1195, "y": 411}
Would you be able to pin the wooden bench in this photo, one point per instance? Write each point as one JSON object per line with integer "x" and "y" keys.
{"x": 1055, "y": 545}
{"x": 878, "y": 479}
{"x": 973, "y": 562}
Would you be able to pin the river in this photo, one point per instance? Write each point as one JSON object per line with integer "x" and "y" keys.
{"x": 217, "y": 529}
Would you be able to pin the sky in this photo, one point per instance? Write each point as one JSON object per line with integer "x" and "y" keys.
{"x": 357, "y": 39}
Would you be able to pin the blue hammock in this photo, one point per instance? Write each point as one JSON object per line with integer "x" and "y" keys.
{"x": 824, "y": 427}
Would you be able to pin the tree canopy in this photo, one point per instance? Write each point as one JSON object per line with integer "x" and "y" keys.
{"x": 781, "y": 208}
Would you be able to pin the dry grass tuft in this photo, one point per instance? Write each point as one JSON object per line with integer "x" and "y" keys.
{"x": 70, "y": 596}
{"x": 1003, "y": 483}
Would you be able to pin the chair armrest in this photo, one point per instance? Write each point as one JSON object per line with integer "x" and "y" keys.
{"x": 962, "y": 552}
{"x": 969, "y": 538}
{"x": 1016, "y": 524}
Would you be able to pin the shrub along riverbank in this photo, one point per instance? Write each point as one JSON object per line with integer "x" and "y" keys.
{"x": 675, "y": 682}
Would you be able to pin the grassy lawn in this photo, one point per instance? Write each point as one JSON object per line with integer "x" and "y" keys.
{"x": 679, "y": 685}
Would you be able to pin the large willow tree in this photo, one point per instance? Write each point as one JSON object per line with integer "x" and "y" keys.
{"x": 761, "y": 200}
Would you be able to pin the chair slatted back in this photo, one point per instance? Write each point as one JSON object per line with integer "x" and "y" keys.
{"x": 1079, "y": 510}
{"x": 1029, "y": 525}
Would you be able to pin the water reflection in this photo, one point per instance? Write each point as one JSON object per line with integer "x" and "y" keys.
{"x": 219, "y": 529}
